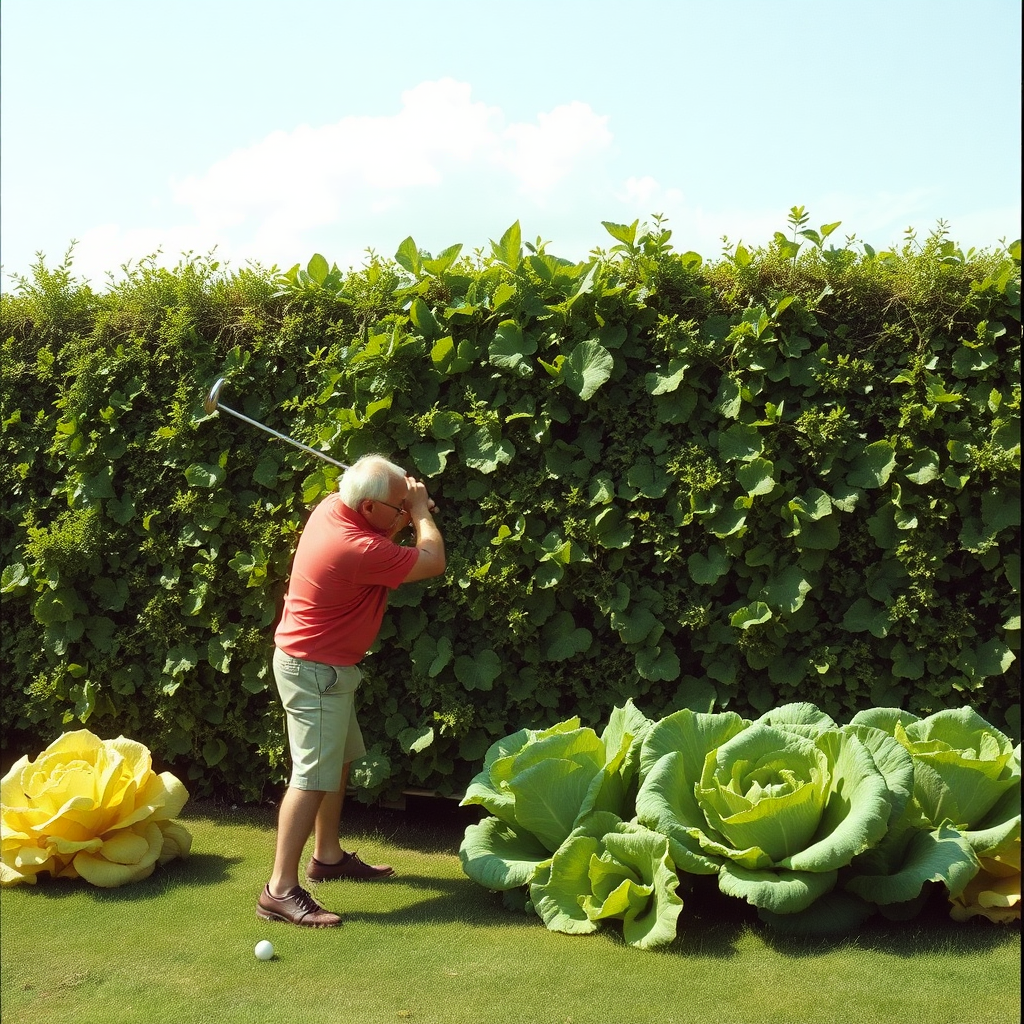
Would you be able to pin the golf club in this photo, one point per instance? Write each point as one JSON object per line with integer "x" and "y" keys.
{"x": 213, "y": 404}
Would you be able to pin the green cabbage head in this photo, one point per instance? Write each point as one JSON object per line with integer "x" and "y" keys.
{"x": 965, "y": 805}
{"x": 774, "y": 807}
{"x": 540, "y": 785}
{"x": 609, "y": 869}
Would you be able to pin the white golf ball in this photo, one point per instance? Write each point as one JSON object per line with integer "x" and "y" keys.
{"x": 264, "y": 950}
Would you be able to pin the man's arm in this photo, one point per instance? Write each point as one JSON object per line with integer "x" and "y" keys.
{"x": 429, "y": 542}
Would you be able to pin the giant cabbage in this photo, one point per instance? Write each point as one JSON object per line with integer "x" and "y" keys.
{"x": 610, "y": 869}
{"x": 964, "y": 811}
{"x": 539, "y": 785}
{"x": 558, "y": 798}
{"x": 774, "y": 807}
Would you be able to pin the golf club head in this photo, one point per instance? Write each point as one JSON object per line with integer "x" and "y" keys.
{"x": 212, "y": 399}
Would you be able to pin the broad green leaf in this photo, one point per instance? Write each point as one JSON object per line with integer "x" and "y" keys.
{"x": 408, "y": 256}
{"x": 478, "y": 672}
{"x": 444, "y": 425}
{"x": 318, "y": 269}
{"x": 564, "y": 639}
{"x": 636, "y": 624}
{"x": 558, "y": 887}
{"x": 650, "y": 479}
{"x": 659, "y": 664}
{"x": 205, "y": 475}
{"x": 485, "y": 449}
{"x": 663, "y": 384}
{"x": 873, "y": 467}
{"x": 16, "y": 578}
{"x": 775, "y": 890}
{"x": 439, "y": 265}
{"x": 500, "y": 856}
{"x": 549, "y": 796}
{"x": 509, "y": 348}
{"x": 788, "y": 590}
{"x": 942, "y": 855}
{"x": 924, "y": 467}
{"x": 423, "y": 318}
{"x": 181, "y": 658}
{"x": 415, "y": 740}
{"x": 635, "y": 879}
{"x": 588, "y": 366}
{"x": 431, "y": 459}
{"x": 757, "y": 477}
{"x": 612, "y": 529}
{"x": 865, "y": 616}
{"x": 509, "y": 251}
{"x": 753, "y": 615}
{"x": 741, "y": 441}
{"x": 707, "y": 569}
{"x": 625, "y": 233}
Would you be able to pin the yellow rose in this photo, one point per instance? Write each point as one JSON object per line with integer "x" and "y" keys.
{"x": 89, "y": 808}
{"x": 994, "y": 892}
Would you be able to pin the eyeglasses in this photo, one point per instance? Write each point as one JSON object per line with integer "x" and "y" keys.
{"x": 397, "y": 508}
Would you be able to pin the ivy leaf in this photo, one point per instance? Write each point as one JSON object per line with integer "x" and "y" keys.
{"x": 708, "y": 569}
{"x": 478, "y": 672}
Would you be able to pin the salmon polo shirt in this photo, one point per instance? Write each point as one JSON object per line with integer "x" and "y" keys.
{"x": 341, "y": 575}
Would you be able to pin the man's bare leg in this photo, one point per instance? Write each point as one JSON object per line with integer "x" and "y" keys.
{"x": 328, "y": 851}
{"x": 327, "y": 843}
{"x": 296, "y": 819}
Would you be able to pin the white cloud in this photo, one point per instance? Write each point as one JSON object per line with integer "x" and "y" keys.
{"x": 445, "y": 168}
{"x": 311, "y": 177}
{"x": 443, "y": 164}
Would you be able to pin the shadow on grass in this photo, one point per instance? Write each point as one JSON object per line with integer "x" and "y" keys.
{"x": 931, "y": 931}
{"x": 199, "y": 869}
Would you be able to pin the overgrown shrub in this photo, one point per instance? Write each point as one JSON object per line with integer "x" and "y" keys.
{"x": 788, "y": 473}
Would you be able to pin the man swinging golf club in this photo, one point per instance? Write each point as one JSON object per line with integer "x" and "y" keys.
{"x": 346, "y": 562}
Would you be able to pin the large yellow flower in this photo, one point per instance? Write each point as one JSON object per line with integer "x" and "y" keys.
{"x": 994, "y": 892}
{"x": 89, "y": 808}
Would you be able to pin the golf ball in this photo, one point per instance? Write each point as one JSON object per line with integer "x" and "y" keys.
{"x": 264, "y": 950}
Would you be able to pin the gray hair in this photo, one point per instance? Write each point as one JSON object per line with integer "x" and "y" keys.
{"x": 369, "y": 478}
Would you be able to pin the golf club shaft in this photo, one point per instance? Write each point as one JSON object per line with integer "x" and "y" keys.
{"x": 284, "y": 437}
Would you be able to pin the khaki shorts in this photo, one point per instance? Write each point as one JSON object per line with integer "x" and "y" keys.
{"x": 319, "y": 705}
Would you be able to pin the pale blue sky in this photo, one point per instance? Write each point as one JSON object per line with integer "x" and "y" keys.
{"x": 275, "y": 130}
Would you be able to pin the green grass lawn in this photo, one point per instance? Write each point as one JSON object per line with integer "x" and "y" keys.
{"x": 432, "y": 946}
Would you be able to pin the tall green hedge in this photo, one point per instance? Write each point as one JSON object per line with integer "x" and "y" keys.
{"x": 791, "y": 472}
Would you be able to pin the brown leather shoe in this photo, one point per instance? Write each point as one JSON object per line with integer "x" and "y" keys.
{"x": 296, "y": 907}
{"x": 350, "y": 866}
